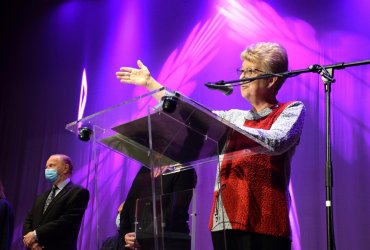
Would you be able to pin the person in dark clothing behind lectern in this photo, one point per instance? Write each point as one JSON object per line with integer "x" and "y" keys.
{"x": 176, "y": 190}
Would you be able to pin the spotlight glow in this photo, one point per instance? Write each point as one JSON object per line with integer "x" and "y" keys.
{"x": 83, "y": 96}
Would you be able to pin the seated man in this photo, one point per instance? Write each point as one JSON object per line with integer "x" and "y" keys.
{"x": 112, "y": 243}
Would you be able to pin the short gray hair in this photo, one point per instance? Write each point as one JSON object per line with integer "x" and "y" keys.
{"x": 272, "y": 57}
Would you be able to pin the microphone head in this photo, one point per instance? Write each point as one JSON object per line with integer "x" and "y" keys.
{"x": 227, "y": 89}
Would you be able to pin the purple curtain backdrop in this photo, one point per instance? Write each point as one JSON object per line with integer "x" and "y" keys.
{"x": 46, "y": 45}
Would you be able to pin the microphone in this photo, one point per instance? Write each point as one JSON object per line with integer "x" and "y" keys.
{"x": 225, "y": 88}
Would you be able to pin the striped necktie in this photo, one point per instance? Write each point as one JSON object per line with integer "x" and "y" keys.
{"x": 50, "y": 197}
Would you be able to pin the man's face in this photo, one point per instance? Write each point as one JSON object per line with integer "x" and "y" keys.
{"x": 55, "y": 162}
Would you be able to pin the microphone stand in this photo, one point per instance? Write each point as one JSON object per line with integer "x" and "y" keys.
{"x": 327, "y": 76}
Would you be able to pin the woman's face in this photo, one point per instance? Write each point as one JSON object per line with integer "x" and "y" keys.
{"x": 258, "y": 90}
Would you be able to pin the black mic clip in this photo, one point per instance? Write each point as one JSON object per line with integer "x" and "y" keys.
{"x": 325, "y": 74}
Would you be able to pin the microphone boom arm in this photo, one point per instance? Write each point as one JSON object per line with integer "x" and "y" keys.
{"x": 313, "y": 68}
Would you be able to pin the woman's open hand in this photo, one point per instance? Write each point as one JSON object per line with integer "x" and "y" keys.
{"x": 138, "y": 76}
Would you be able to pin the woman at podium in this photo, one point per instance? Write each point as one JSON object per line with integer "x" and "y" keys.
{"x": 251, "y": 198}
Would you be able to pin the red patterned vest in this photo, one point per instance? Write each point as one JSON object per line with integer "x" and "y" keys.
{"x": 255, "y": 188}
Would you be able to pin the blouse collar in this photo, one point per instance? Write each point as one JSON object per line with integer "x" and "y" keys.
{"x": 254, "y": 115}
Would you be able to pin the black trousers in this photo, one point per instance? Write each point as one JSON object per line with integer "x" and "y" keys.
{"x": 242, "y": 240}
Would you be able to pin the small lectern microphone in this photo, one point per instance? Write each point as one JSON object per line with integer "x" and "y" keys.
{"x": 225, "y": 88}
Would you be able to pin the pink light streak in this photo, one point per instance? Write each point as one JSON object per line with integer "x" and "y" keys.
{"x": 184, "y": 63}
{"x": 83, "y": 96}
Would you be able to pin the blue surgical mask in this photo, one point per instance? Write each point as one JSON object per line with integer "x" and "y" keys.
{"x": 51, "y": 175}
{"x": 118, "y": 220}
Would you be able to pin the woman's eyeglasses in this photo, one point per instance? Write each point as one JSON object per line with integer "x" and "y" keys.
{"x": 247, "y": 72}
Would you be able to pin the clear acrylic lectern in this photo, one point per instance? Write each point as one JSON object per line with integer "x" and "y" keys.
{"x": 167, "y": 137}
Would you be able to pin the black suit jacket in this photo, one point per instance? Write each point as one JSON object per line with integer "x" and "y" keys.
{"x": 175, "y": 208}
{"x": 58, "y": 228}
